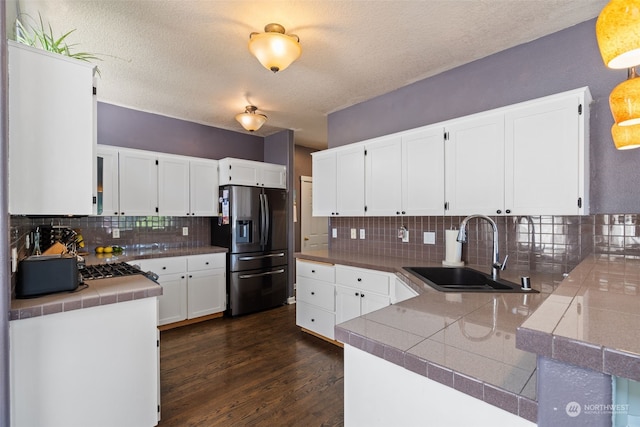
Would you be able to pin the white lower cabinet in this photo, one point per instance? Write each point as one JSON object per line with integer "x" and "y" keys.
{"x": 328, "y": 295}
{"x": 192, "y": 286}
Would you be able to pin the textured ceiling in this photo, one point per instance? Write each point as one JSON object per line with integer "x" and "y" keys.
{"x": 189, "y": 58}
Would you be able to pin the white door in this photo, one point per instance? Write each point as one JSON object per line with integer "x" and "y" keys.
{"x": 108, "y": 193}
{"x": 206, "y": 292}
{"x": 350, "y": 182}
{"x": 347, "y": 303}
{"x": 138, "y": 183}
{"x": 173, "y": 186}
{"x": 474, "y": 165}
{"x": 383, "y": 166}
{"x": 173, "y": 301}
{"x": 543, "y": 137}
{"x": 203, "y": 187}
{"x": 324, "y": 183}
{"x": 313, "y": 229}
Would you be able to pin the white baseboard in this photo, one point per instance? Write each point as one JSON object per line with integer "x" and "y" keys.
{"x": 291, "y": 300}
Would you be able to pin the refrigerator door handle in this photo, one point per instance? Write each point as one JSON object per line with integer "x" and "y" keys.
{"x": 251, "y": 258}
{"x": 262, "y": 222}
{"x": 268, "y": 273}
{"x": 267, "y": 220}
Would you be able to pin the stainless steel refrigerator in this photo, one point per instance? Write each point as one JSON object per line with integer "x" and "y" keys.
{"x": 253, "y": 226}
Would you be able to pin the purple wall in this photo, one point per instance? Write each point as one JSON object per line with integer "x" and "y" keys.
{"x": 125, "y": 127}
{"x": 566, "y": 60}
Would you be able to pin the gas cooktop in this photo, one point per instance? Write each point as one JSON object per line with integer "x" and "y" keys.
{"x": 105, "y": 271}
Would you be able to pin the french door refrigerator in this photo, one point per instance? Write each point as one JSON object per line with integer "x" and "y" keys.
{"x": 252, "y": 225}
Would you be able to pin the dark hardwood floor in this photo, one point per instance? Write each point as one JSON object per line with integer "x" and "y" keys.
{"x": 254, "y": 370}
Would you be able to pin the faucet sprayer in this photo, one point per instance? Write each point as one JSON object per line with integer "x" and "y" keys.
{"x": 496, "y": 265}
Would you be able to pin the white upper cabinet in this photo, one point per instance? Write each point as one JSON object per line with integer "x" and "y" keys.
{"x": 474, "y": 165}
{"x": 547, "y": 157}
{"x": 338, "y": 181}
{"x": 203, "y": 184}
{"x": 252, "y": 173}
{"x": 423, "y": 171}
{"x": 383, "y": 169}
{"x": 325, "y": 176}
{"x": 144, "y": 183}
{"x": 52, "y": 133}
{"x": 173, "y": 186}
{"x": 107, "y": 177}
{"x": 138, "y": 182}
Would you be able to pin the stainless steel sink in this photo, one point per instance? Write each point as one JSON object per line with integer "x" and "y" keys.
{"x": 462, "y": 279}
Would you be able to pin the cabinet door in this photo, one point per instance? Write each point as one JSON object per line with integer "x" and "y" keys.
{"x": 474, "y": 165}
{"x": 108, "y": 191}
{"x": 206, "y": 292}
{"x": 172, "y": 304}
{"x": 347, "y": 303}
{"x": 138, "y": 183}
{"x": 243, "y": 173}
{"x": 52, "y": 134}
{"x": 350, "y": 182}
{"x": 371, "y": 302}
{"x": 173, "y": 186}
{"x": 423, "y": 172}
{"x": 324, "y": 183}
{"x": 383, "y": 166}
{"x": 544, "y": 136}
{"x": 273, "y": 176}
{"x": 203, "y": 183}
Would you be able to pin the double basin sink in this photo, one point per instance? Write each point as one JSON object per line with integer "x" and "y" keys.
{"x": 462, "y": 279}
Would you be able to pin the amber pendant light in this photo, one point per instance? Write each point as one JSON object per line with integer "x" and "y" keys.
{"x": 274, "y": 49}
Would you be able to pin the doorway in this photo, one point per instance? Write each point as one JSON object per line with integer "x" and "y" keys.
{"x": 314, "y": 230}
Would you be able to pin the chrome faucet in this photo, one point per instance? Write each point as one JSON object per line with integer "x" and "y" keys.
{"x": 496, "y": 265}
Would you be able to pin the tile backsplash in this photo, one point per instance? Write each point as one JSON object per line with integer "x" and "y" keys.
{"x": 135, "y": 231}
{"x": 554, "y": 244}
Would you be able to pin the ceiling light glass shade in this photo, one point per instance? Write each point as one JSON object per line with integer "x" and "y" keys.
{"x": 618, "y": 33}
{"x": 274, "y": 49}
{"x": 250, "y": 120}
{"x": 626, "y": 137}
{"x": 625, "y": 102}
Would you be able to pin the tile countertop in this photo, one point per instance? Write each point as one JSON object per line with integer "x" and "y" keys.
{"x": 592, "y": 320}
{"x": 104, "y": 291}
{"x": 464, "y": 340}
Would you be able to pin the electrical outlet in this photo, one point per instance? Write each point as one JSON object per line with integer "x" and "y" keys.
{"x": 353, "y": 233}
{"x": 334, "y": 233}
{"x": 429, "y": 238}
{"x": 115, "y": 233}
{"x": 362, "y": 233}
{"x": 185, "y": 231}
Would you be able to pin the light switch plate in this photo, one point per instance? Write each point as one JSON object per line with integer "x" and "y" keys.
{"x": 185, "y": 231}
{"x": 362, "y": 233}
{"x": 115, "y": 233}
{"x": 353, "y": 233}
{"x": 429, "y": 237}
{"x": 334, "y": 233}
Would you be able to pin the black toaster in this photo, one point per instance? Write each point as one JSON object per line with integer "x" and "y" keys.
{"x": 47, "y": 274}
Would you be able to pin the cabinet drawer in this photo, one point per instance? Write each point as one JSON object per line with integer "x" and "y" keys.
{"x": 206, "y": 261}
{"x": 162, "y": 266}
{"x": 316, "y": 270}
{"x": 315, "y": 292}
{"x": 315, "y": 319}
{"x": 368, "y": 280}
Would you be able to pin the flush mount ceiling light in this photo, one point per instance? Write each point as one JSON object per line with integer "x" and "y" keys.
{"x": 250, "y": 120}
{"x": 274, "y": 49}
{"x": 618, "y": 33}
{"x": 626, "y": 137}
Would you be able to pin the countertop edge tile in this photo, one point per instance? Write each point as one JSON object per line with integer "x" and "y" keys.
{"x": 621, "y": 364}
{"x": 577, "y": 353}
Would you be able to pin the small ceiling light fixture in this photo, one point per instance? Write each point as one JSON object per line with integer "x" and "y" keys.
{"x": 274, "y": 49}
{"x": 618, "y": 35}
{"x": 250, "y": 120}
